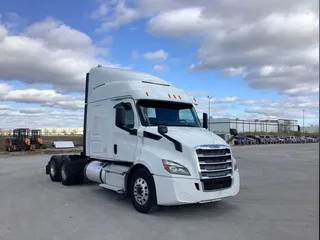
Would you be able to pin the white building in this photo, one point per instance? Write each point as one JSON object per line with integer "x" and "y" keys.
{"x": 311, "y": 129}
{"x": 223, "y": 125}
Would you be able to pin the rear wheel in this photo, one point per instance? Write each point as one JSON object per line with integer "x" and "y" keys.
{"x": 143, "y": 192}
{"x": 54, "y": 171}
{"x": 67, "y": 178}
{"x": 79, "y": 179}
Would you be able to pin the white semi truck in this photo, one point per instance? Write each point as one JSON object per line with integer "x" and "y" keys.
{"x": 143, "y": 138}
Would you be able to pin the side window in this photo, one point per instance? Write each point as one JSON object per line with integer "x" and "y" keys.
{"x": 125, "y": 119}
{"x": 128, "y": 117}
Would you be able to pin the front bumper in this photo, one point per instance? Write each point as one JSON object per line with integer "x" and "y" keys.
{"x": 179, "y": 191}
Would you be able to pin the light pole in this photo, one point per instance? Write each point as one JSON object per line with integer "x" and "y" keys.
{"x": 209, "y": 98}
{"x": 303, "y": 119}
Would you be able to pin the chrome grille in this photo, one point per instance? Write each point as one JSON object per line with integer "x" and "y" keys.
{"x": 215, "y": 166}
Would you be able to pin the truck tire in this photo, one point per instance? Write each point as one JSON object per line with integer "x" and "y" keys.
{"x": 67, "y": 178}
{"x": 143, "y": 192}
{"x": 54, "y": 170}
{"x": 79, "y": 179}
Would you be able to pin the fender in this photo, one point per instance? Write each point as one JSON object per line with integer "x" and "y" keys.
{"x": 131, "y": 171}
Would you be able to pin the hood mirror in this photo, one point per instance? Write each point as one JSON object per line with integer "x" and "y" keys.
{"x": 162, "y": 129}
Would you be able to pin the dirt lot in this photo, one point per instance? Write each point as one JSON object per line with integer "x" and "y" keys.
{"x": 278, "y": 199}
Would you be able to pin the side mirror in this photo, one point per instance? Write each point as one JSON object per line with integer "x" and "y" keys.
{"x": 205, "y": 120}
{"x": 120, "y": 116}
{"x": 127, "y": 106}
{"x": 233, "y": 131}
{"x": 162, "y": 129}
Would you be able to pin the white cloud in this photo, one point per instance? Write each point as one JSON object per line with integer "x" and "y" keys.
{"x": 159, "y": 55}
{"x": 64, "y": 110}
{"x": 48, "y": 98}
{"x": 37, "y": 118}
{"x": 252, "y": 102}
{"x": 183, "y": 21}
{"x": 4, "y": 107}
{"x": 32, "y": 110}
{"x": 158, "y": 67}
{"x": 106, "y": 41}
{"x": 272, "y": 44}
{"x": 11, "y": 21}
{"x": 114, "y": 14}
{"x": 218, "y": 100}
{"x": 235, "y": 107}
{"x": 3, "y": 33}
{"x": 4, "y": 89}
{"x": 231, "y": 71}
{"x": 55, "y": 34}
{"x": 290, "y": 107}
{"x": 101, "y": 11}
{"x": 49, "y": 52}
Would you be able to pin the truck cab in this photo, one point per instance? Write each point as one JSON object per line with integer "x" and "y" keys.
{"x": 143, "y": 137}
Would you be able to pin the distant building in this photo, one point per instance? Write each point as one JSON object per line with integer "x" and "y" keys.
{"x": 311, "y": 129}
{"x": 223, "y": 125}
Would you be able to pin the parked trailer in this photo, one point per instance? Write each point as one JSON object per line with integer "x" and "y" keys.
{"x": 143, "y": 138}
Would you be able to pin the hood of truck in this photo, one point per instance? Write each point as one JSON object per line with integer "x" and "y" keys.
{"x": 192, "y": 136}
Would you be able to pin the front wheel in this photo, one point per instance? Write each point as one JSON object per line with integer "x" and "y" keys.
{"x": 143, "y": 192}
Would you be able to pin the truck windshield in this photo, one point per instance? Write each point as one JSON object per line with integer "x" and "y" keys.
{"x": 168, "y": 113}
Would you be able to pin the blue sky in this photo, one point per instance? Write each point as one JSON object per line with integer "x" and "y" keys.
{"x": 272, "y": 85}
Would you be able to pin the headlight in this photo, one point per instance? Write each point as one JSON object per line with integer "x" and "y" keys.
{"x": 175, "y": 168}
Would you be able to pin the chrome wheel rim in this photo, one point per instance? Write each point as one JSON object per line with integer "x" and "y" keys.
{"x": 52, "y": 170}
{"x": 141, "y": 191}
{"x": 63, "y": 172}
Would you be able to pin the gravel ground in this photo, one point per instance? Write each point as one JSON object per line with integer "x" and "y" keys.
{"x": 278, "y": 200}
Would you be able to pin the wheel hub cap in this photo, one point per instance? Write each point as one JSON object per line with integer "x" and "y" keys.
{"x": 52, "y": 170}
{"x": 63, "y": 172}
{"x": 141, "y": 191}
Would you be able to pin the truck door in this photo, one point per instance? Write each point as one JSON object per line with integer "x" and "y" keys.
{"x": 125, "y": 138}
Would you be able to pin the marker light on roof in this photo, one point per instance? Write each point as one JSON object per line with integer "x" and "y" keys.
{"x": 169, "y": 95}
{"x": 147, "y": 94}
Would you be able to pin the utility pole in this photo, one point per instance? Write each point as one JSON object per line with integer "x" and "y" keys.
{"x": 209, "y": 98}
{"x": 303, "y": 119}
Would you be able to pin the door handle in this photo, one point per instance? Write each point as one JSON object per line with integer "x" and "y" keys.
{"x": 115, "y": 149}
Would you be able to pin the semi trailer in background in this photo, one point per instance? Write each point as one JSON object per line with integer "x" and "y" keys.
{"x": 143, "y": 138}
